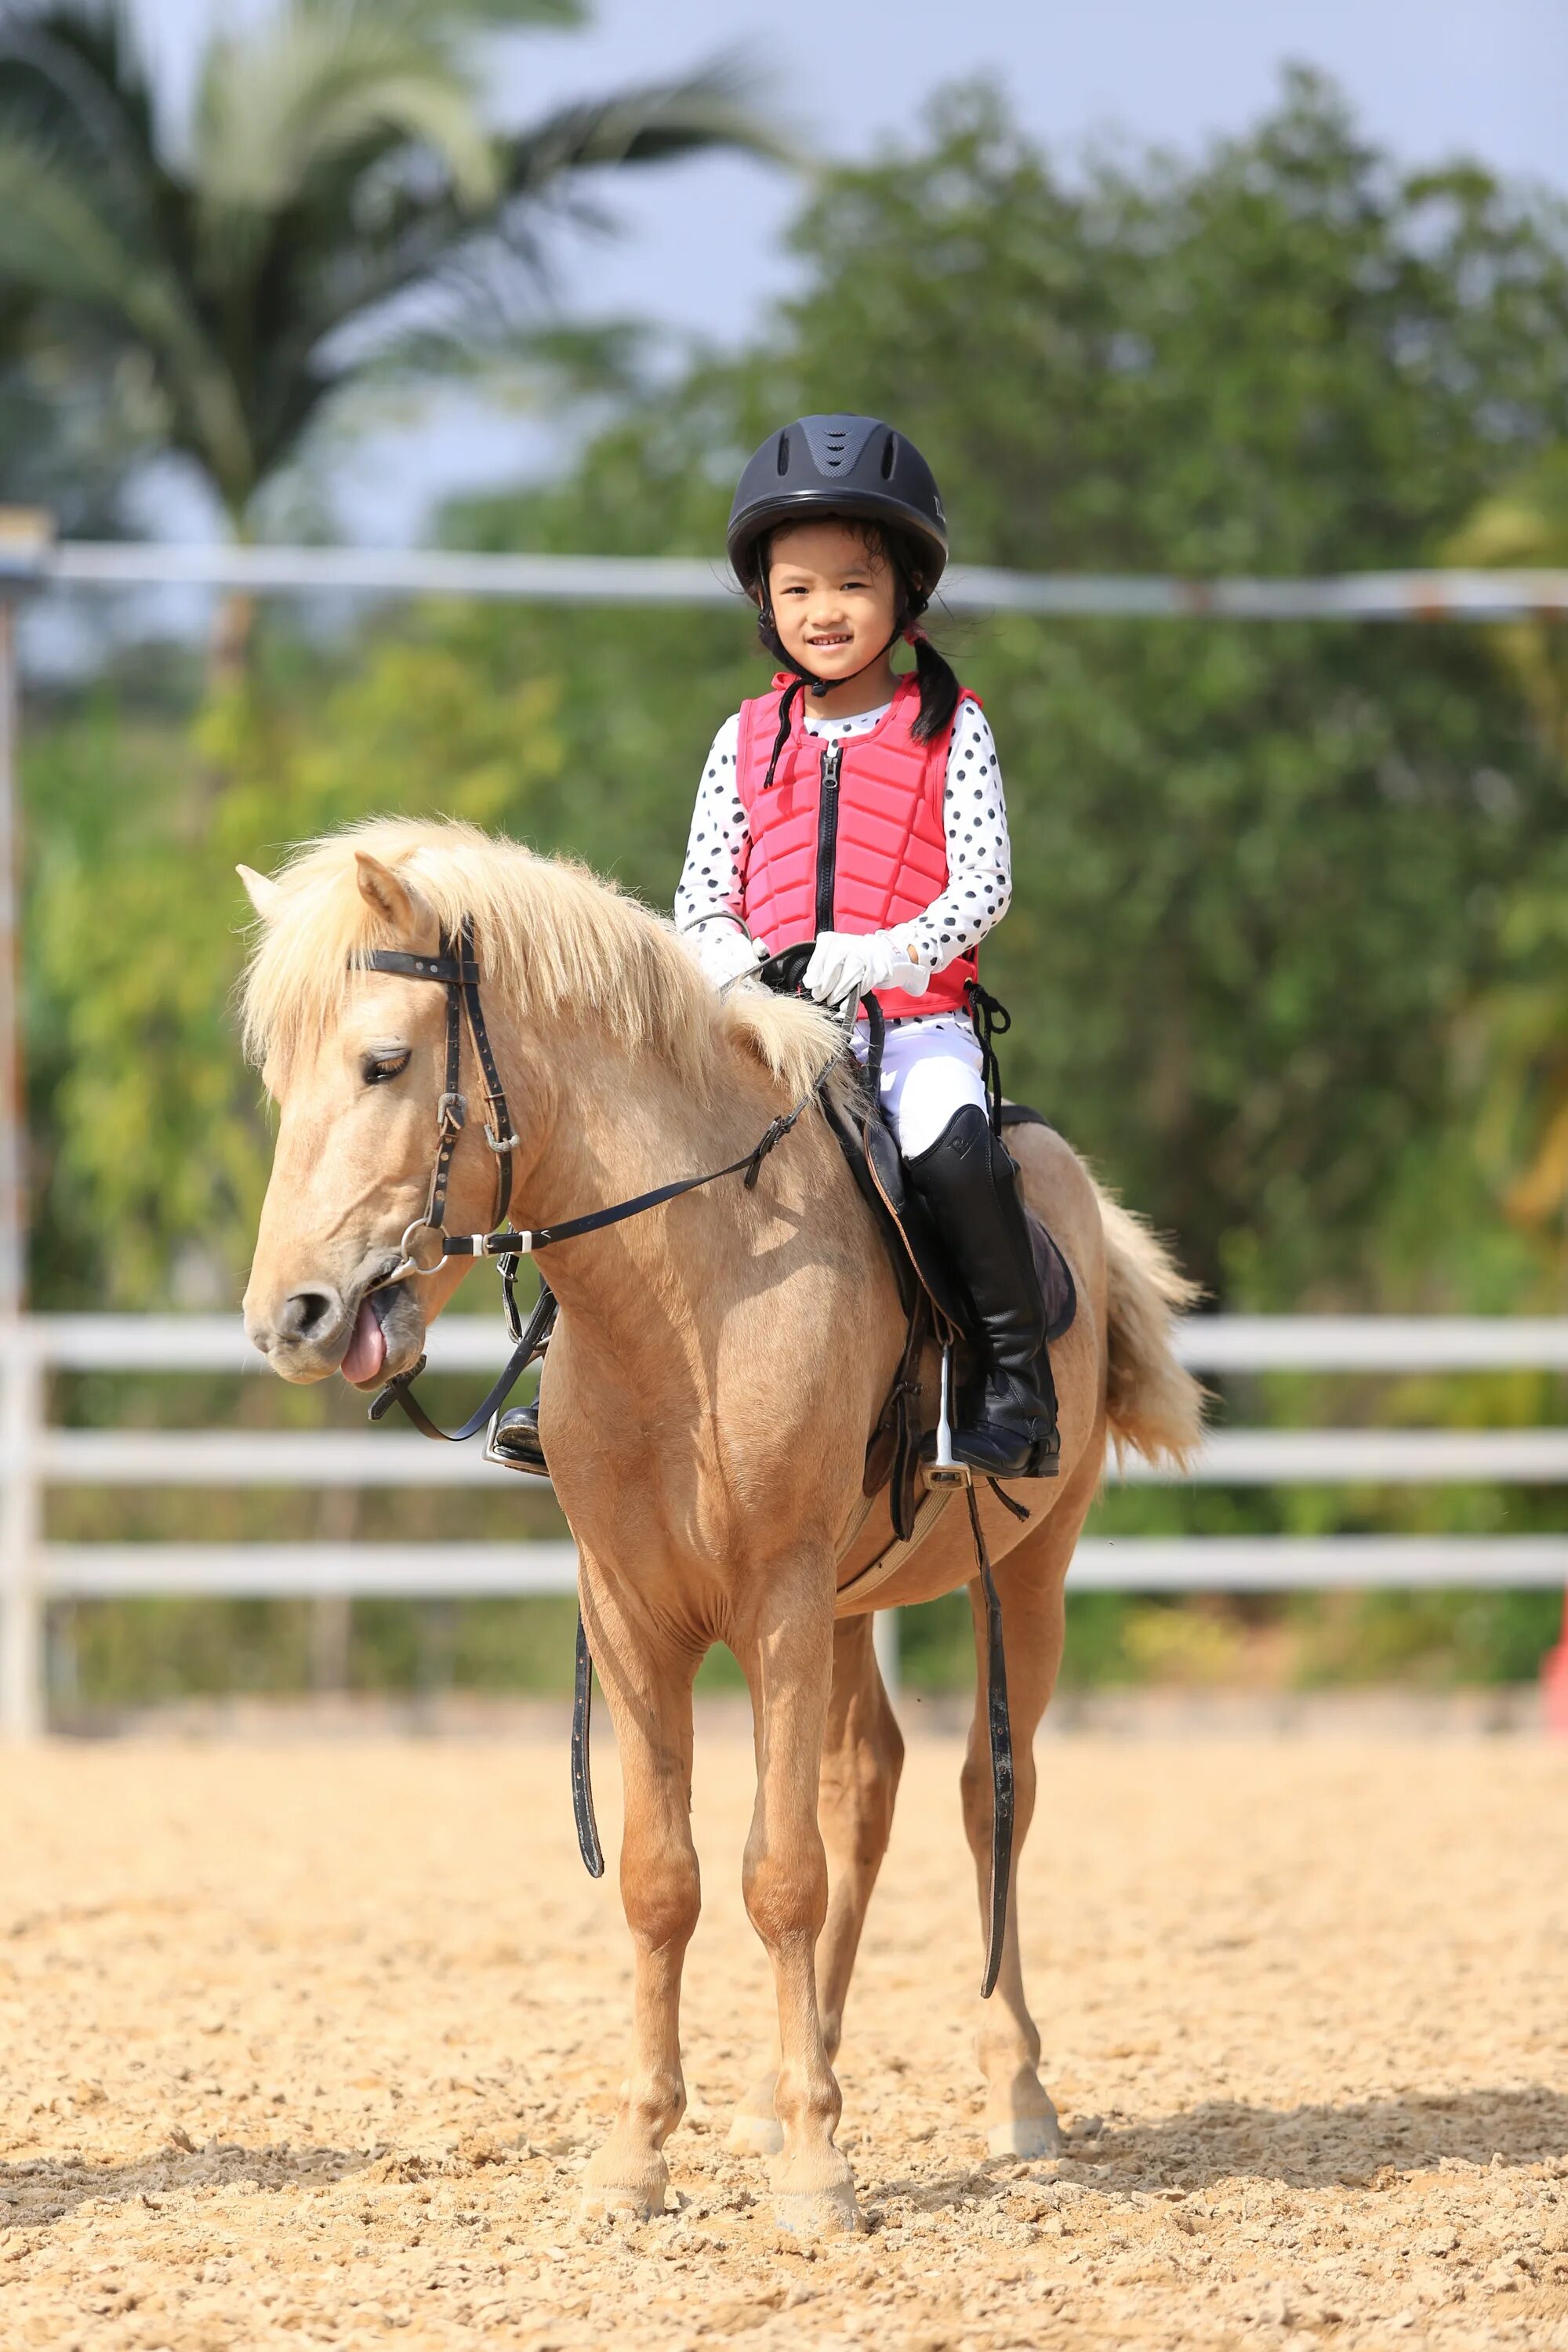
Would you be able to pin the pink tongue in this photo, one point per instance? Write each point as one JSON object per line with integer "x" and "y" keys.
{"x": 367, "y": 1350}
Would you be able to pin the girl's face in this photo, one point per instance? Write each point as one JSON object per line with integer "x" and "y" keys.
{"x": 834, "y": 601}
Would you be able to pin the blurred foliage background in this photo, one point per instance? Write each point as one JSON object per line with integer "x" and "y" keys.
{"x": 1285, "y": 954}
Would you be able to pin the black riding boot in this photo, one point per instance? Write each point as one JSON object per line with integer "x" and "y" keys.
{"x": 517, "y": 1438}
{"x": 1006, "y": 1418}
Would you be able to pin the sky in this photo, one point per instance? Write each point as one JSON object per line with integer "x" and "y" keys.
{"x": 1430, "y": 77}
{"x": 699, "y": 248}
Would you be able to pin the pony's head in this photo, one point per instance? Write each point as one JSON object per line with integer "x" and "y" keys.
{"x": 355, "y": 1059}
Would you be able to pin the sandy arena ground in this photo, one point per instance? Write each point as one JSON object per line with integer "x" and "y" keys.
{"x": 308, "y": 2045}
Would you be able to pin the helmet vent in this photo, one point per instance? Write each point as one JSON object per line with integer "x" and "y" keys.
{"x": 837, "y": 464}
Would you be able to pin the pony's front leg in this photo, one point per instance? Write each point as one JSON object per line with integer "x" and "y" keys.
{"x": 786, "y": 1654}
{"x": 862, "y": 1757}
{"x": 648, "y": 1689}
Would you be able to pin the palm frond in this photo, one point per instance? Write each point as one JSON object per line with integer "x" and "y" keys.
{"x": 459, "y": 18}
{"x": 58, "y": 242}
{"x": 516, "y": 357}
{"x": 652, "y": 122}
{"x": 74, "y": 80}
{"x": 416, "y": 238}
{"x": 79, "y": 67}
{"x": 62, "y": 245}
{"x": 340, "y": 200}
{"x": 281, "y": 101}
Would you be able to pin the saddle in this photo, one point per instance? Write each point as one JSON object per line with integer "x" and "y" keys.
{"x": 935, "y": 1305}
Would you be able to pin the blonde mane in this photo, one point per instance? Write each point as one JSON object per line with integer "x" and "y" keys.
{"x": 549, "y": 935}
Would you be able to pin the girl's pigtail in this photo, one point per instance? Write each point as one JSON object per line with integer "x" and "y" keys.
{"x": 787, "y": 701}
{"x": 939, "y": 687}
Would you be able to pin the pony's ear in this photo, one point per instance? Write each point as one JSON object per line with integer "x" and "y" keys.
{"x": 264, "y": 895}
{"x": 385, "y": 894}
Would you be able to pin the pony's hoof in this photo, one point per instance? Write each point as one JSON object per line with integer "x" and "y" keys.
{"x": 817, "y": 2212}
{"x": 599, "y": 2201}
{"x": 1025, "y": 2136}
{"x": 754, "y": 2135}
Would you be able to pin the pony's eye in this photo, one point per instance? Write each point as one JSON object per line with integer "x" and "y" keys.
{"x": 380, "y": 1067}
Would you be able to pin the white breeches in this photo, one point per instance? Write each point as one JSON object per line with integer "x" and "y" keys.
{"x": 930, "y": 1069}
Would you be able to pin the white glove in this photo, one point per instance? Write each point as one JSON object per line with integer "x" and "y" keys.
{"x": 724, "y": 950}
{"x": 846, "y": 964}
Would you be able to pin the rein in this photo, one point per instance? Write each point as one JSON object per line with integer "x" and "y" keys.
{"x": 427, "y": 1245}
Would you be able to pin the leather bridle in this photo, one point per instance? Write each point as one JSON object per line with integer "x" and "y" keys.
{"x": 427, "y": 1245}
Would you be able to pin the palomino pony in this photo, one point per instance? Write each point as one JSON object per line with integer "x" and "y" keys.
{"x": 717, "y": 1370}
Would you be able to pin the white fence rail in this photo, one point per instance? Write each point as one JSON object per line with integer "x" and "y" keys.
{"x": 36, "y": 1455}
{"x": 1441, "y": 595}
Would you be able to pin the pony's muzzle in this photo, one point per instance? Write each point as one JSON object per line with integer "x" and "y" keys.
{"x": 301, "y": 1334}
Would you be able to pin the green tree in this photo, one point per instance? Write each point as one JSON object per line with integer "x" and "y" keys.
{"x": 339, "y": 197}
{"x": 1267, "y": 877}
{"x": 1259, "y": 869}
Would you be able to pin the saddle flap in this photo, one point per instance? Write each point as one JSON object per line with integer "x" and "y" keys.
{"x": 908, "y": 1215}
{"x": 922, "y": 1271}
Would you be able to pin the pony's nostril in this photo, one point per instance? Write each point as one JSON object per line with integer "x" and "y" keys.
{"x": 306, "y": 1312}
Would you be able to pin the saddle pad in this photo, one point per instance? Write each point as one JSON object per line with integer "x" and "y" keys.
{"x": 1057, "y": 1288}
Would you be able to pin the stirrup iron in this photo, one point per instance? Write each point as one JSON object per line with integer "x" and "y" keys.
{"x": 942, "y": 1470}
{"x": 501, "y": 1458}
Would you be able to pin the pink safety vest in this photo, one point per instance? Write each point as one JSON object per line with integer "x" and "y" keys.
{"x": 849, "y": 836}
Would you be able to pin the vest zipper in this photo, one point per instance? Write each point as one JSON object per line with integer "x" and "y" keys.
{"x": 828, "y": 835}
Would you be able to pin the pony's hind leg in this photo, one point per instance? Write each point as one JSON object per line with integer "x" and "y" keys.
{"x": 861, "y": 1760}
{"x": 1020, "y": 2119}
{"x": 861, "y": 1764}
{"x": 648, "y": 1692}
{"x": 786, "y": 1653}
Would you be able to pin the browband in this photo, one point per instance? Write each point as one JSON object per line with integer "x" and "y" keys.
{"x": 454, "y": 972}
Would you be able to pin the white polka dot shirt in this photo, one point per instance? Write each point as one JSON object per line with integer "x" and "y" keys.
{"x": 974, "y": 820}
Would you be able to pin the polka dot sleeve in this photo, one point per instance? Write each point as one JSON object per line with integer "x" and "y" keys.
{"x": 979, "y": 856}
{"x": 709, "y": 886}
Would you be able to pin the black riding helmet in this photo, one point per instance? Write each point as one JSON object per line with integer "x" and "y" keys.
{"x": 849, "y": 466}
{"x": 837, "y": 466}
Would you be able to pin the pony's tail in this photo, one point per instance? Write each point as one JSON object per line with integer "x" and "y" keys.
{"x": 1153, "y": 1401}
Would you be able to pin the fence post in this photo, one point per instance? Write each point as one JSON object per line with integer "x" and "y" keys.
{"x": 22, "y": 1702}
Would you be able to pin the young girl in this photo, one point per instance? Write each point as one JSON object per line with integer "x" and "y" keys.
{"x": 863, "y": 810}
